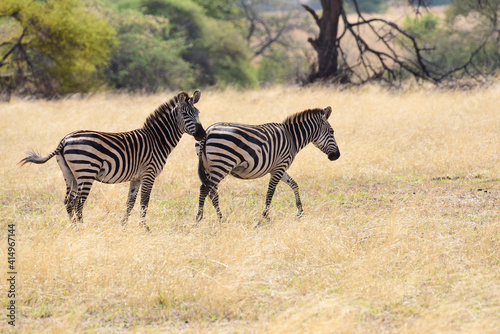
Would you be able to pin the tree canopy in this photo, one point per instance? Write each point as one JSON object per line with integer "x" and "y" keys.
{"x": 147, "y": 58}
{"x": 52, "y": 47}
{"x": 215, "y": 49}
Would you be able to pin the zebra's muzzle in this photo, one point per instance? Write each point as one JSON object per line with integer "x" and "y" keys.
{"x": 334, "y": 155}
{"x": 199, "y": 133}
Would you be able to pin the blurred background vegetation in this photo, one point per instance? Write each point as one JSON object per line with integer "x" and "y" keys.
{"x": 49, "y": 48}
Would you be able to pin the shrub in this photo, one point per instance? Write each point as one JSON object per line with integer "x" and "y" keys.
{"x": 448, "y": 48}
{"x": 147, "y": 58}
{"x": 216, "y": 50}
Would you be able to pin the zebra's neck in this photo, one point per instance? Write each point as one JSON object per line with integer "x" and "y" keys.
{"x": 163, "y": 128}
{"x": 302, "y": 127}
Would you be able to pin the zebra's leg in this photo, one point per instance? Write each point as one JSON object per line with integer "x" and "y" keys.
{"x": 71, "y": 187}
{"x": 204, "y": 190}
{"x": 69, "y": 200}
{"x": 132, "y": 196}
{"x": 69, "y": 204}
{"x": 214, "y": 197}
{"x": 211, "y": 191}
{"x": 146, "y": 187}
{"x": 273, "y": 182}
{"x": 83, "y": 192}
{"x": 288, "y": 180}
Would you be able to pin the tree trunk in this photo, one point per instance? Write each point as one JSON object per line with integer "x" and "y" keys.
{"x": 325, "y": 44}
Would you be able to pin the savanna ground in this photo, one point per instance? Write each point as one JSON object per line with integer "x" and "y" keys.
{"x": 401, "y": 234}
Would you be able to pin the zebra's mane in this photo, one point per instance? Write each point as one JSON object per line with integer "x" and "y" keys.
{"x": 163, "y": 109}
{"x": 302, "y": 115}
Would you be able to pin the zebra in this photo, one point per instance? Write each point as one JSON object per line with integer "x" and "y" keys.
{"x": 252, "y": 151}
{"x": 136, "y": 156}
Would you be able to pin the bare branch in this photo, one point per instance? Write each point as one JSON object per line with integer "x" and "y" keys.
{"x": 396, "y": 53}
{"x": 417, "y": 4}
{"x": 313, "y": 13}
{"x": 470, "y": 62}
{"x": 13, "y": 48}
{"x": 251, "y": 17}
{"x": 266, "y": 30}
{"x": 387, "y": 61}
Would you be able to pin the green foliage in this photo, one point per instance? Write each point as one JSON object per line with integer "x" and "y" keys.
{"x": 122, "y": 5}
{"x": 482, "y": 37}
{"x": 449, "y": 48}
{"x": 422, "y": 26}
{"x": 220, "y": 9}
{"x": 487, "y": 10}
{"x": 186, "y": 18}
{"x": 216, "y": 49}
{"x": 438, "y": 2}
{"x": 367, "y": 6}
{"x": 281, "y": 67}
{"x": 62, "y": 46}
{"x": 147, "y": 58}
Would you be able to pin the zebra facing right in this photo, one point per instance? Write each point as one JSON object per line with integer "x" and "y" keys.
{"x": 252, "y": 151}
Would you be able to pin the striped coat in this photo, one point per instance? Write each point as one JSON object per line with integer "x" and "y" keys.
{"x": 252, "y": 151}
{"x": 136, "y": 156}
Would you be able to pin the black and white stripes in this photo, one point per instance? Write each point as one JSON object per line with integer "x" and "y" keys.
{"x": 137, "y": 156}
{"x": 252, "y": 151}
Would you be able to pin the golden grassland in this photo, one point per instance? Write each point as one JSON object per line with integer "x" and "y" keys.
{"x": 401, "y": 234}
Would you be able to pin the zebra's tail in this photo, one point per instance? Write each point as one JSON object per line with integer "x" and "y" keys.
{"x": 36, "y": 158}
{"x": 202, "y": 170}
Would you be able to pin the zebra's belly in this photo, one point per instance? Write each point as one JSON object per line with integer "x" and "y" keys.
{"x": 244, "y": 172}
{"x": 105, "y": 176}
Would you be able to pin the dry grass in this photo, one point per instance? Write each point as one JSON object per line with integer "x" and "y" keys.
{"x": 401, "y": 234}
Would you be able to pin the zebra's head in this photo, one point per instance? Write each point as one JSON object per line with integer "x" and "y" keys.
{"x": 189, "y": 114}
{"x": 324, "y": 139}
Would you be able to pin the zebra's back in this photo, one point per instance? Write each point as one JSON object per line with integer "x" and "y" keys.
{"x": 245, "y": 151}
{"x": 116, "y": 157}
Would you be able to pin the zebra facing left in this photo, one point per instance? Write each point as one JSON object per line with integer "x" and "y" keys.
{"x": 136, "y": 156}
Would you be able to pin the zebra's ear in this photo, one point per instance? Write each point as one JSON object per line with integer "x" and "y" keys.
{"x": 327, "y": 111}
{"x": 181, "y": 97}
{"x": 196, "y": 96}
